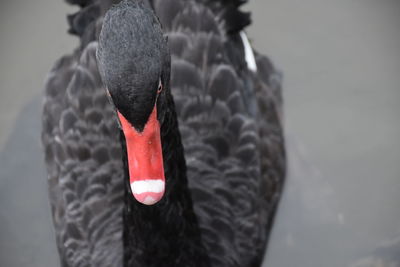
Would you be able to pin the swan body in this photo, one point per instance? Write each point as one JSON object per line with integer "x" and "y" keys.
{"x": 221, "y": 135}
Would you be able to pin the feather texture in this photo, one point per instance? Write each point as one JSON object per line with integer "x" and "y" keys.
{"x": 230, "y": 125}
{"x": 83, "y": 163}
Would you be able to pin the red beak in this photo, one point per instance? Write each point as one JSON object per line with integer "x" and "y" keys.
{"x": 145, "y": 159}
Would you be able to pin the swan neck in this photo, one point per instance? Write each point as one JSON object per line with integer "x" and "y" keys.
{"x": 167, "y": 231}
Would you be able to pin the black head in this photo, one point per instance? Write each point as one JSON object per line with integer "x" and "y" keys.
{"x": 133, "y": 59}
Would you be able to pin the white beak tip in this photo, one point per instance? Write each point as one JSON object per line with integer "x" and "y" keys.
{"x": 148, "y": 192}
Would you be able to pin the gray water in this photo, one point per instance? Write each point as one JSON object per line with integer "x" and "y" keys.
{"x": 341, "y": 66}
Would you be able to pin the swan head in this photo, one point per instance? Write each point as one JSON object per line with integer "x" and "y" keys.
{"x": 133, "y": 60}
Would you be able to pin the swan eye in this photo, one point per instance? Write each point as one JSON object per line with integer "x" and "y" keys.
{"x": 159, "y": 87}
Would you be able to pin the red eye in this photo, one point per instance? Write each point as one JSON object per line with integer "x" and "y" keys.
{"x": 159, "y": 88}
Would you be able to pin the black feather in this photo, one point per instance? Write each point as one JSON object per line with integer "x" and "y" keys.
{"x": 222, "y": 144}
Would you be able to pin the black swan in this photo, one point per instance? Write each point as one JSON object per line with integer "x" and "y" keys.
{"x": 185, "y": 117}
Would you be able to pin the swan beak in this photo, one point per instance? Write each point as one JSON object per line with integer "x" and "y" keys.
{"x": 145, "y": 159}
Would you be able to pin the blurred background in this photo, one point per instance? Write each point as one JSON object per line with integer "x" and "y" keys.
{"x": 341, "y": 66}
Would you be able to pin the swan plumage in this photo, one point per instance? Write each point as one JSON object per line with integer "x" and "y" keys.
{"x": 230, "y": 126}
